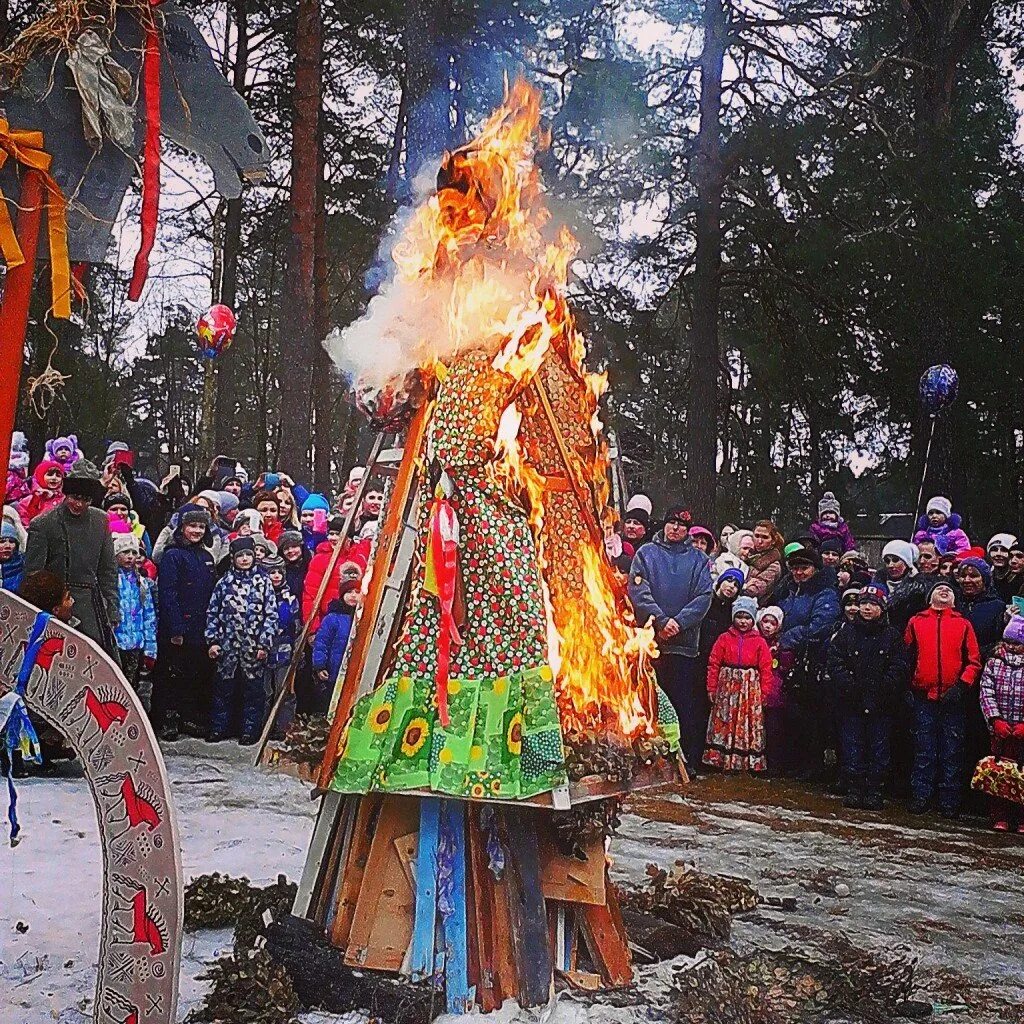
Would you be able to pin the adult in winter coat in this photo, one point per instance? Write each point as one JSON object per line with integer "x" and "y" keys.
{"x": 739, "y": 671}
{"x": 830, "y": 524}
{"x": 45, "y": 491}
{"x": 764, "y": 563}
{"x": 867, "y": 666}
{"x": 810, "y": 606}
{"x": 1002, "y": 704}
{"x": 241, "y": 628}
{"x": 984, "y": 608}
{"x": 670, "y": 585}
{"x": 997, "y": 553}
{"x": 943, "y": 526}
{"x": 74, "y": 542}
{"x": 1012, "y": 583}
{"x": 181, "y": 693}
{"x": 946, "y": 664}
{"x": 908, "y": 592}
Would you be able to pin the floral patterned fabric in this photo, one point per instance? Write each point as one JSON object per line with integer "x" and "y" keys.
{"x": 504, "y": 737}
{"x": 736, "y": 726}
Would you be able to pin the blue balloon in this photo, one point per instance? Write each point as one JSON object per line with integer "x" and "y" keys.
{"x": 938, "y": 388}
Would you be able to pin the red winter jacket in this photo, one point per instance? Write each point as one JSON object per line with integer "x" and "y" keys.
{"x": 734, "y": 649}
{"x": 944, "y": 651}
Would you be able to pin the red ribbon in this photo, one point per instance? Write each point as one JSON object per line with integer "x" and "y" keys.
{"x": 444, "y": 551}
{"x": 150, "y": 160}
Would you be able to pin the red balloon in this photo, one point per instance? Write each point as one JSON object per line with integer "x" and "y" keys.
{"x": 216, "y": 329}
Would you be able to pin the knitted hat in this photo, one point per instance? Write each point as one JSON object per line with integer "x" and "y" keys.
{"x": 242, "y": 544}
{"x": 641, "y": 502}
{"x": 736, "y": 539}
{"x": 117, "y": 498}
{"x": 735, "y": 575}
{"x": 213, "y": 497}
{"x": 8, "y": 531}
{"x": 744, "y": 606}
{"x": 680, "y": 512}
{"x": 1017, "y": 546}
{"x": 828, "y": 503}
{"x": 289, "y": 539}
{"x": 189, "y": 514}
{"x": 19, "y": 451}
{"x": 854, "y": 558}
{"x": 903, "y": 550}
{"x": 804, "y": 555}
{"x": 336, "y": 525}
{"x": 125, "y": 542}
{"x": 314, "y": 503}
{"x": 940, "y": 504}
{"x": 774, "y": 611}
{"x": 832, "y": 544}
{"x": 84, "y": 482}
{"x": 250, "y": 516}
{"x": 878, "y": 593}
{"x": 259, "y": 541}
{"x": 1005, "y": 540}
{"x": 1014, "y": 631}
{"x": 942, "y": 581}
{"x": 227, "y": 501}
{"x": 850, "y": 591}
{"x": 274, "y": 562}
{"x": 975, "y": 562}
{"x": 639, "y": 515}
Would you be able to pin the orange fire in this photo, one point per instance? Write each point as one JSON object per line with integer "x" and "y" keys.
{"x": 480, "y": 248}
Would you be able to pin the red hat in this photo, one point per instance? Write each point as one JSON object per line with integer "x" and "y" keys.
{"x": 43, "y": 468}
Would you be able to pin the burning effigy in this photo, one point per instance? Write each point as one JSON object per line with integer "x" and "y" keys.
{"x": 498, "y": 697}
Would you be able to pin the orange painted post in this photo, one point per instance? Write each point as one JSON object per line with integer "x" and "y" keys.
{"x": 14, "y": 308}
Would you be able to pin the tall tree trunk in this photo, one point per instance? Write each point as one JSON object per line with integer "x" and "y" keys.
{"x": 702, "y": 339}
{"x": 323, "y": 375}
{"x": 299, "y": 343}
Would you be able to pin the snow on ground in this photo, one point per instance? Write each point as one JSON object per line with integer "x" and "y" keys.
{"x": 950, "y": 896}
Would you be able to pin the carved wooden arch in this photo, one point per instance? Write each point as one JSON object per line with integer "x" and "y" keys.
{"x": 76, "y": 687}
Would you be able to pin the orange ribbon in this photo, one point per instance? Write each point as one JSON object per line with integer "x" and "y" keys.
{"x": 26, "y": 148}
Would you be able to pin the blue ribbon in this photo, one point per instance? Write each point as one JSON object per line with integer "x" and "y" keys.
{"x": 35, "y": 641}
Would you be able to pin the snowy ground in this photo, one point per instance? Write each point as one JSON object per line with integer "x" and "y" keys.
{"x": 950, "y": 896}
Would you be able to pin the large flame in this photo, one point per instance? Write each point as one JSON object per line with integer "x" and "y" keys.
{"x": 479, "y": 248}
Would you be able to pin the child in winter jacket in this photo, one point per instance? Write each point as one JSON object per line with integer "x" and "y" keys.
{"x": 136, "y": 632}
{"x": 313, "y": 518}
{"x": 867, "y": 665}
{"x": 830, "y": 525}
{"x": 12, "y": 558}
{"x": 64, "y": 451}
{"x": 1002, "y": 703}
{"x": 776, "y": 745}
{"x": 349, "y": 565}
{"x": 945, "y": 665}
{"x": 739, "y": 669}
{"x": 287, "y": 612}
{"x": 331, "y": 641}
{"x": 46, "y": 491}
{"x": 942, "y": 525}
{"x": 17, "y": 469}
{"x": 241, "y": 628}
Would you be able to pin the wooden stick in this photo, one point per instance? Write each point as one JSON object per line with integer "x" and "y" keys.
{"x": 387, "y": 539}
{"x": 300, "y": 646}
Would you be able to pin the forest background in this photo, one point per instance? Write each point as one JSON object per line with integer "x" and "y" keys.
{"x": 787, "y": 211}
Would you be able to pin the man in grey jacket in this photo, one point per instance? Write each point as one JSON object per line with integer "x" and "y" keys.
{"x": 73, "y": 540}
{"x": 670, "y": 583}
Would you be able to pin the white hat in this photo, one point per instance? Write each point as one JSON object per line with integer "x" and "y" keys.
{"x": 125, "y": 542}
{"x": 940, "y": 504}
{"x": 774, "y": 611}
{"x": 1006, "y": 540}
{"x": 903, "y": 550}
{"x": 356, "y": 473}
{"x": 640, "y": 501}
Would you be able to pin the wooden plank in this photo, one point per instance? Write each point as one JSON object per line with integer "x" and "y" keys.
{"x": 328, "y": 882}
{"x": 354, "y": 869}
{"x": 346, "y": 826}
{"x": 326, "y": 819}
{"x": 529, "y": 917}
{"x": 568, "y": 878}
{"x": 605, "y": 935}
{"x": 422, "y": 964}
{"x": 457, "y": 990}
{"x": 389, "y": 537}
{"x": 380, "y": 934}
{"x": 496, "y": 977}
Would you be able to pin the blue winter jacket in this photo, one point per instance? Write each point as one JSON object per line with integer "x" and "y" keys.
{"x": 287, "y": 625}
{"x": 810, "y": 611}
{"x": 137, "y": 629}
{"x": 12, "y": 571}
{"x": 186, "y": 585}
{"x": 332, "y": 639}
{"x": 671, "y": 581}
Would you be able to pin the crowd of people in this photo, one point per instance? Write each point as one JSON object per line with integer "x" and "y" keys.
{"x": 796, "y": 659}
{"x": 802, "y": 660}
{"x": 202, "y": 591}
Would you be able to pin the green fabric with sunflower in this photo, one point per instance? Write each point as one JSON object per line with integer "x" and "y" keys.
{"x": 504, "y": 736}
